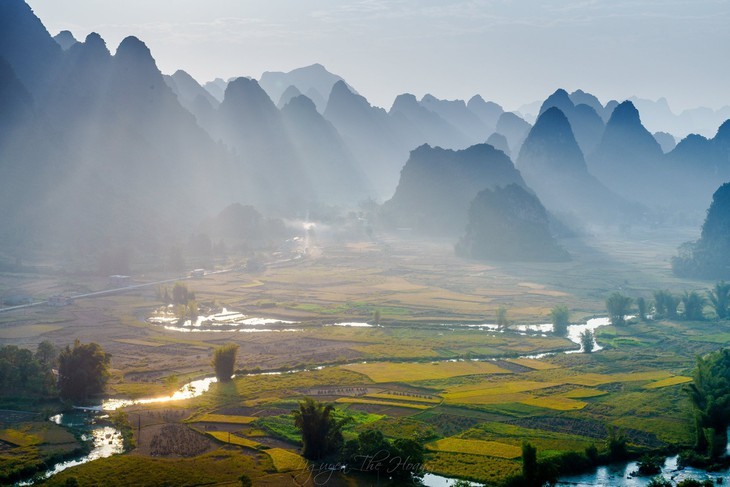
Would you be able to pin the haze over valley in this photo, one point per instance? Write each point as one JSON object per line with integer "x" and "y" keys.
{"x": 276, "y": 280}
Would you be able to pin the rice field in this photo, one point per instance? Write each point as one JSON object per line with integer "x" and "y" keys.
{"x": 224, "y": 418}
{"x": 285, "y": 460}
{"x": 414, "y": 372}
{"x": 232, "y": 439}
{"x": 669, "y": 381}
{"x": 375, "y": 402}
{"x": 476, "y": 447}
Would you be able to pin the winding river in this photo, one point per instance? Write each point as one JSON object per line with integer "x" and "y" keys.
{"x": 107, "y": 440}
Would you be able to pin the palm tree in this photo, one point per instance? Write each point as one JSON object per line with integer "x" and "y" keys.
{"x": 693, "y": 305}
{"x": 321, "y": 431}
{"x": 720, "y": 299}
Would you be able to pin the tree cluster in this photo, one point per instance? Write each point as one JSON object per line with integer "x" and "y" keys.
{"x": 82, "y": 371}
{"x": 25, "y": 374}
{"x": 370, "y": 453}
{"x": 709, "y": 392}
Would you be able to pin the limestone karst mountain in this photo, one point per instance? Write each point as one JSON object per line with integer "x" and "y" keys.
{"x": 314, "y": 81}
{"x": 418, "y": 125}
{"x": 437, "y": 185}
{"x": 509, "y": 223}
{"x": 553, "y": 165}
{"x": 709, "y": 257}
{"x": 371, "y": 136}
{"x": 628, "y": 156}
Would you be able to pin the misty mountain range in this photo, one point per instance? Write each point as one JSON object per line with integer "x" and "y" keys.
{"x": 98, "y": 147}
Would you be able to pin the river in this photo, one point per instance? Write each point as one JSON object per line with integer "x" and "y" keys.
{"x": 107, "y": 440}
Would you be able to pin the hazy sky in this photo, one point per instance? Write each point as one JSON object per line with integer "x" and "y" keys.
{"x": 509, "y": 51}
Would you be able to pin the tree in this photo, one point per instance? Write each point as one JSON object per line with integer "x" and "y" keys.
{"x": 502, "y": 321}
{"x": 586, "y": 341}
{"x": 82, "y": 371}
{"x": 642, "y": 307}
{"x": 46, "y": 354}
{"x": 618, "y": 307}
{"x": 720, "y": 299}
{"x": 224, "y": 361}
{"x": 560, "y": 318}
{"x": 665, "y": 304}
{"x": 321, "y": 431}
{"x": 529, "y": 463}
{"x": 709, "y": 392}
{"x": 693, "y": 306}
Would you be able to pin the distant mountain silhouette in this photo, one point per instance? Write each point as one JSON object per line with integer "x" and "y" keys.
{"x": 217, "y": 88}
{"x": 586, "y": 124}
{"x": 331, "y": 168}
{"x": 553, "y": 165}
{"x": 709, "y": 257}
{"x": 417, "y": 125}
{"x": 499, "y": 142}
{"x": 509, "y": 223}
{"x": 489, "y": 112}
{"x": 192, "y": 96}
{"x": 437, "y": 185}
{"x": 628, "y": 156}
{"x": 252, "y": 125}
{"x": 371, "y": 136}
{"x": 666, "y": 141}
{"x": 65, "y": 39}
{"x": 457, "y": 114}
{"x": 109, "y": 152}
{"x": 514, "y": 129}
{"x": 314, "y": 77}
{"x": 580, "y": 97}
{"x": 27, "y": 46}
{"x": 286, "y": 97}
{"x": 658, "y": 116}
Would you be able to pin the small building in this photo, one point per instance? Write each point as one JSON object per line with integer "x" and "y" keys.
{"x": 120, "y": 281}
{"x": 197, "y": 273}
{"x": 59, "y": 300}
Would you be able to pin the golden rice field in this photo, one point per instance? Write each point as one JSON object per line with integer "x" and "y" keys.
{"x": 558, "y": 403}
{"x": 225, "y": 418}
{"x": 414, "y": 372}
{"x": 375, "y": 402}
{"x": 285, "y": 460}
{"x": 398, "y": 397}
{"x": 232, "y": 439}
{"x": 476, "y": 447}
{"x": 669, "y": 381}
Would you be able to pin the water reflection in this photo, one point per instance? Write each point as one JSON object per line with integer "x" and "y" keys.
{"x": 188, "y": 391}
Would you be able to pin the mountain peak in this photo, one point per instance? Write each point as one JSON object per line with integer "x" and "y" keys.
{"x": 131, "y": 48}
{"x": 625, "y": 113}
{"x": 559, "y": 99}
{"x": 65, "y": 39}
{"x": 94, "y": 43}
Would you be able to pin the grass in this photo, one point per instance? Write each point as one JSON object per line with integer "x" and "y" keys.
{"x": 26, "y": 331}
{"x": 19, "y": 438}
{"x": 409, "y": 398}
{"x": 414, "y": 372}
{"x": 475, "y": 467}
{"x": 476, "y": 447}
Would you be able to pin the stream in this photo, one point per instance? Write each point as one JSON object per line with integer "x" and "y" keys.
{"x": 107, "y": 440}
